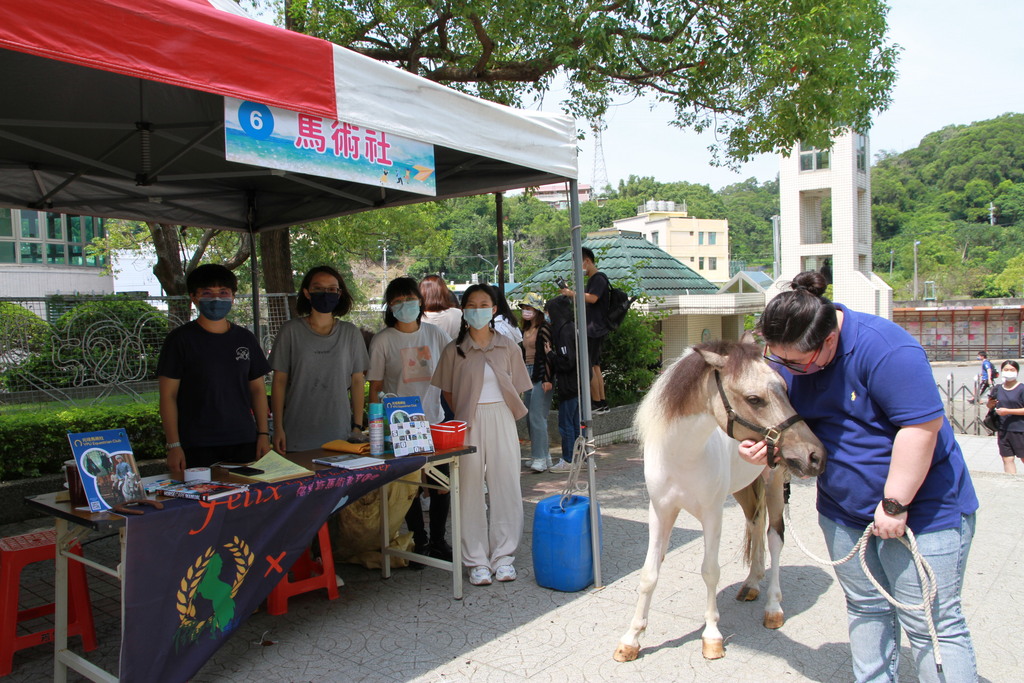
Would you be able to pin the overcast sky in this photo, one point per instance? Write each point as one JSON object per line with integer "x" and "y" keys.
{"x": 961, "y": 62}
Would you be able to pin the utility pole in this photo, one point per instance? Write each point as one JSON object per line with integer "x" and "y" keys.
{"x": 384, "y": 284}
{"x": 776, "y": 247}
{"x": 916, "y": 242}
{"x": 510, "y": 251}
{"x": 892, "y": 254}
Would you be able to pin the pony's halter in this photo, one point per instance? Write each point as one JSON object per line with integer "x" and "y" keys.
{"x": 771, "y": 435}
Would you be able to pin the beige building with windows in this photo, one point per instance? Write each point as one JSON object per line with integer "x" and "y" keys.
{"x": 700, "y": 243}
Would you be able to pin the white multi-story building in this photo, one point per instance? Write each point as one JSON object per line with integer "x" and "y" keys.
{"x": 43, "y": 253}
{"x": 557, "y": 194}
{"x": 700, "y": 243}
{"x": 807, "y": 178}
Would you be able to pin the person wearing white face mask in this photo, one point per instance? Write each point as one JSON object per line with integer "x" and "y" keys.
{"x": 536, "y": 346}
{"x": 402, "y": 360}
{"x": 482, "y": 374}
{"x": 1008, "y": 400}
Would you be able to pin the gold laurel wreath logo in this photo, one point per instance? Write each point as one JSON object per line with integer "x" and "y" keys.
{"x": 243, "y": 559}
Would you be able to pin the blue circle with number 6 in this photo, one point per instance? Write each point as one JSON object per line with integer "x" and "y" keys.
{"x": 256, "y": 120}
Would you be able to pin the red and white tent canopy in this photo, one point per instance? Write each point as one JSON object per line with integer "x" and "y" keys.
{"x": 115, "y": 108}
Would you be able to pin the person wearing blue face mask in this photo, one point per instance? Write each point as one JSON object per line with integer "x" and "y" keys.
{"x": 319, "y": 364}
{"x": 213, "y": 398}
{"x": 481, "y": 374}
{"x": 402, "y": 360}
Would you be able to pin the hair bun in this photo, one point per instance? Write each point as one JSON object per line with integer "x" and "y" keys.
{"x": 811, "y": 281}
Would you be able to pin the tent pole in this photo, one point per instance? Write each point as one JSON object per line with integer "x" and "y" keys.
{"x": 583, "y": 368}
{"x": 254, "y": 269}
{"x": 499, "y": 214}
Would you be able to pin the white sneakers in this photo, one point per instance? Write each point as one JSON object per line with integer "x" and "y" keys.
{"x": 506, "y": 572}
{"x": 561, "y": 466}
{"x": 480, "y": 576}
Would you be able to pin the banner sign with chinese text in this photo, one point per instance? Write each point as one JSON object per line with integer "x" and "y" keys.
{"x": 196, "y": 570}
{"x": 265, "y": 136}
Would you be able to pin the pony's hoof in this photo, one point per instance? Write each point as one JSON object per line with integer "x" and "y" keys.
{"x": 626, "y": 653}
{"x": 713, "y": 648}
{"x": 774, "y": 620}
{"x": 748, "y": 594}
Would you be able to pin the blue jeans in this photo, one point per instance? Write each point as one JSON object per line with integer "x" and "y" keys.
{"x": 872, "y": 621}
{"x": 568, "y": 424}
{"x": 538, "y": 402}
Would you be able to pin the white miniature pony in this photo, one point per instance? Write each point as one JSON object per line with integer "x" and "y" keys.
{"x": 690, "y": 463}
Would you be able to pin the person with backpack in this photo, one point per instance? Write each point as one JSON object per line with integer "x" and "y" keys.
{"x": 562, "y": 360}
{"x": 986, "y": 377}
{"x": 597, "y": 296}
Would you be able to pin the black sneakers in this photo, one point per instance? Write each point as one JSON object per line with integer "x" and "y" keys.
{"x": 599, "y": 407}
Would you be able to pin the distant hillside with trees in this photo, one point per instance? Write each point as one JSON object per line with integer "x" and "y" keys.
{"x": 960, "y": 192}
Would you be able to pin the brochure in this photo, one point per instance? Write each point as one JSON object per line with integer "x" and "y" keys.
{"x": 408, "y": 425}
{"x": 276, "y": 467}
{"x": 107, "y": 466}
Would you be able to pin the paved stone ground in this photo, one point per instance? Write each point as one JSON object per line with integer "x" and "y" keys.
{"x": 410, "y": 629}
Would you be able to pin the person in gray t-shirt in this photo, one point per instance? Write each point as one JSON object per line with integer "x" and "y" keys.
{"x": 318, "y": 361}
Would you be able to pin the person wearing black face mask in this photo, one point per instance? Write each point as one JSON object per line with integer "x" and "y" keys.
{"x": 213, "y": 399}
{"x": 318, "y": 361}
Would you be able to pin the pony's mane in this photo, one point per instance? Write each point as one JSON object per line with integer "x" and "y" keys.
{"x": 685, "y": 379}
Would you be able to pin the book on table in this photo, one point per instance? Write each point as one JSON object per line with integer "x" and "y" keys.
{"x": 410, "y": 430}
{"x": 348, "y": 462}
{"x": 200, "y": 490}
{"x": 107, "y": 467}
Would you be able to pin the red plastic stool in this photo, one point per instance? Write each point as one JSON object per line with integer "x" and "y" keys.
{"x": 309, "y": 574}
{"x": 17, "y": 552}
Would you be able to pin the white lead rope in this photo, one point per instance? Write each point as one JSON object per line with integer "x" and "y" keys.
{"x": 929, "y": 586}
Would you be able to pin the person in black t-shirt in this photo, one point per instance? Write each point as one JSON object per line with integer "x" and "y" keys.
{"x": 213, "y": 400}
{"x": 1008, "y": 400}
{"x": 597, "y": 296}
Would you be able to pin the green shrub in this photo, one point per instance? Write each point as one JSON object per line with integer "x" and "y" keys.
{"x": 22, "y": 333}
{"x": 33, "y": 444}
{"x": 105, "y": 341}
{"x": 630, "y": 359}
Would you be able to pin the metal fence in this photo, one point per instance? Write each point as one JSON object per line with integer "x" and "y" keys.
{"x": 76, "y": 350}
{"x": 964, "y": 412}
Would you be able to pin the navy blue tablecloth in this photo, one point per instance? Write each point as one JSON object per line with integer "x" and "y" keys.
{"x": 195, "y": 570}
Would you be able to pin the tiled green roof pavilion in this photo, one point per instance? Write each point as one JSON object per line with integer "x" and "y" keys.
{"x": 622, "y": 254}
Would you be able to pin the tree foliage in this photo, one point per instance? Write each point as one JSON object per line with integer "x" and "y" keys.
{"x": 761, "y": 74}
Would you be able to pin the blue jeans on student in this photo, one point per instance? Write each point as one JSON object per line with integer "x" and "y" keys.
{"x": 538, "y": 402}
{"x": 568, "y": 424}
{"x": 872, "y": 621}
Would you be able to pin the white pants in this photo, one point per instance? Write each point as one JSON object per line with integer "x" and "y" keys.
{"x": 493, "y": 432}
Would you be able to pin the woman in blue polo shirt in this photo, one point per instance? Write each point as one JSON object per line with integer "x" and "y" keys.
{"x": 865, "y": 388}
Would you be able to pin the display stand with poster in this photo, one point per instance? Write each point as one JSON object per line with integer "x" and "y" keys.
{"x": 107, "y": 467}
{"x": 408, "y": 425}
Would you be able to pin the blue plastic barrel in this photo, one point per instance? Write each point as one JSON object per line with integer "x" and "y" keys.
{"x": 562, "y": 558}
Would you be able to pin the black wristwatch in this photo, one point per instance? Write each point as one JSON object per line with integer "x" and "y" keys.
{"x": 893, "y": 506}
